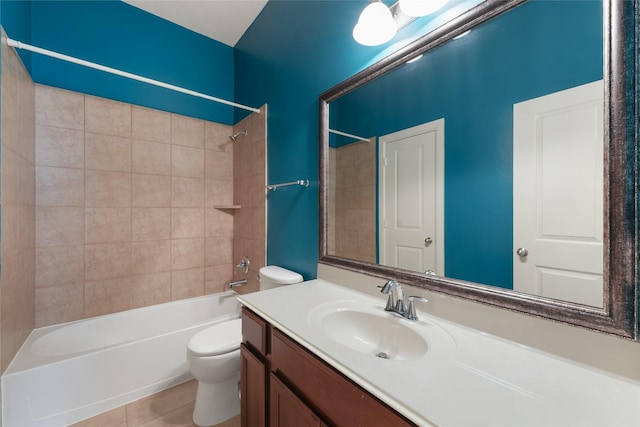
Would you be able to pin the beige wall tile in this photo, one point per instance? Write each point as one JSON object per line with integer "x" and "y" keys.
{"x": 187, "y": 223}
{"x": 151, "y": 224}
{"x": 219, "y": 222}
{"x": 151, "y": 257}
{"x": 187, "y": 283}
{"x": 219, "y": 250}
{"x": 12, "y": 163}
{"x": 218, "y": 193}
{"x": 57, "y": 226}
{"x": 107, "y": 225}
{"x": 107, "y": 153}
{"x": 59, "y": 186}
{"x": 107, "y": 117}
{"x": 216, "y": 137}
{"x": 151, "y": 191}
{"x": 217, "y": 277}
{"x": 187, "y": 192}
{"x": 107, "y": 296}
{"x": 107, "y": 189}
{"x": 59, "y": 265}
{"x": 187, "y": 131}
{"x": 151, "y": 158}
{"x": 149, "y": 408}
{"x": 105, "y": 261}
{"x": 59, "y": 304}
{"x": 59, "y": 108}
{"x": 59, "y": 147}
{"x": 149, "y": 289}
{"x": 218, "y": 165}
{"x": 187, "y": 161}
{"x": 187, "y": 253}
{"x": 151, "y": 125}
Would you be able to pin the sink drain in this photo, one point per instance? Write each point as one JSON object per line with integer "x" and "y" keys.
{"x": 382, "y": 355}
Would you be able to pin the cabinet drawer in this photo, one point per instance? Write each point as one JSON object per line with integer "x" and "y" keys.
{"x": 334, "y": 397}
{"x": 254, "y": 331}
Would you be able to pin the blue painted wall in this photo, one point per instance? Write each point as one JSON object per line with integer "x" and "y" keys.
{"x": 17, "y": 16}
{"x": 473, "y": 83}
{"x": 115, "y": 34}
{"x": 294, "y": 51}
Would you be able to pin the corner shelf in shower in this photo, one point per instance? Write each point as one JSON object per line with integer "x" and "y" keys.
{"x": 229, "y": 207}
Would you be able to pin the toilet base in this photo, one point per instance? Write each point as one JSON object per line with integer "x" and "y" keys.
{"x": 216, "y": 403}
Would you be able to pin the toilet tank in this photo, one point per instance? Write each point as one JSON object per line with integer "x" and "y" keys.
{"x": 272, "y": 276}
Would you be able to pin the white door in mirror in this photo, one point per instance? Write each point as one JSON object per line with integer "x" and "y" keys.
{"x": 558, "y": 195}
{"x": 412, "y": 198}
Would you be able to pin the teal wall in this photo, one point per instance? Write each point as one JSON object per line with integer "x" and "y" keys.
{"x": 117, "y": 35}
{"x": 288, "y": 65}
{"x": 473, "y": 84}
{"x": 294, "y": 51}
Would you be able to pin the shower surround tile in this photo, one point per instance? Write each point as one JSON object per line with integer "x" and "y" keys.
{"x": 107, "y": 117}
{"x": 187, "y": 162}
{"x": 59, "y": 108}
{"x": 151, "y": 158}
{"x": 59, "y": 147}
{"x": 126, "y": 205}
{"x": 150, "y": 125}
{"x": 187, "y": 131}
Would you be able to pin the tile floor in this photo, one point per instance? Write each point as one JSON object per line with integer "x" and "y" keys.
{"x": 170, "y": 408}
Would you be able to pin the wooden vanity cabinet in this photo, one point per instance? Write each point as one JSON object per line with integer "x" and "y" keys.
{"x": 285, "y": 385}
{"x": 254, "y": 374}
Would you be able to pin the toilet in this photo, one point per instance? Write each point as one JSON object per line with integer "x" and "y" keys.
{"x": 213, "y": 356}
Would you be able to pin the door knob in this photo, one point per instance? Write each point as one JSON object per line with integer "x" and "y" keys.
{"x": 522, "y": 252}
{"x": 428, "y": 241}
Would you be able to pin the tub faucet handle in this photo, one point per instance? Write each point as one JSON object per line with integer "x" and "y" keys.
{"x": 244, "y": 264}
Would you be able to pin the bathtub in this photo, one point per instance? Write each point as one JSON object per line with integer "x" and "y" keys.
{"x": 66, "y": 373}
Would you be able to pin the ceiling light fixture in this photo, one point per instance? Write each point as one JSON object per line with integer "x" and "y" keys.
{"x": 421, "y": 7}
{"x": 375, "y": 25}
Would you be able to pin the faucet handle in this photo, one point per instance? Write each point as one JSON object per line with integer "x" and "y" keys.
{"x": 411, "y": 312}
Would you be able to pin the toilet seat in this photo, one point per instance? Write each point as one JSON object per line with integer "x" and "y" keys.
{"x": 218, "y": 339}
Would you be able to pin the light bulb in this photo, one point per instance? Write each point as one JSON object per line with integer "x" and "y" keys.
{"x": 375, "y": 25}
{"x": 421, "y": 7}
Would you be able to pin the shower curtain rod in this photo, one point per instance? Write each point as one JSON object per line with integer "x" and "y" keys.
{"x": 20, "y": 45}
{"x": 359, "y": 138}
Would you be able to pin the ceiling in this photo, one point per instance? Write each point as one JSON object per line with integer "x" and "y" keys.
{"x": 221, "y": 20}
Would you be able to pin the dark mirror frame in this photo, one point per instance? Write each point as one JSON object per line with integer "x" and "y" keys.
{"x": 619, "y": 315}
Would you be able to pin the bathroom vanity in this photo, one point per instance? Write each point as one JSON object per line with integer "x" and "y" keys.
{"x": 281, "y": 375}
{"x": 329, "y": 355}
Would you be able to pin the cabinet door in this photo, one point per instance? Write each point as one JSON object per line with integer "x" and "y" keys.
{"x": 253, "y": 389}
{"x": 286, "y": 410}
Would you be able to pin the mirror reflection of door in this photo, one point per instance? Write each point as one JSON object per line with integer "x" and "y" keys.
{"x": 411, "y": 201}
{"x": 557, "y": 195}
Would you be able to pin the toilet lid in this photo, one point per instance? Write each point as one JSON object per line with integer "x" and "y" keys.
{"x": 217, "y": 339}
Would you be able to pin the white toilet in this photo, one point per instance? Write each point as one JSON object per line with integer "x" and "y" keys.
{"x": 213, "y": 355}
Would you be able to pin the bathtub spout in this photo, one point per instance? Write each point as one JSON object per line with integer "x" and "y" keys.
{"x": 233, "y": 284}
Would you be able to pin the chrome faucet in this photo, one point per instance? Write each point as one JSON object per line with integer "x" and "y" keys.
{"x": 397, "y": 305}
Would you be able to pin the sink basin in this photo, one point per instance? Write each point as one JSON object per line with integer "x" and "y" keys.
{"x": 379, "y": 335}
{"x": 369, "y": 332}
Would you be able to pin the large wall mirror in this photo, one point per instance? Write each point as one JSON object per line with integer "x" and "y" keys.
{"x": 494, "y": 159}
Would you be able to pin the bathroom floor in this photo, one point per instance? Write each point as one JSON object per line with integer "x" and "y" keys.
{"x": 170, "y": 408}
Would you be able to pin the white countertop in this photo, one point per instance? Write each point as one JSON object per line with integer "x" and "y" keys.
{"x": 466, "y": 378}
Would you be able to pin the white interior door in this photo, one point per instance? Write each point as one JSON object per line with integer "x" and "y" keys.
{"x": 557, "y": 195}
{"x": 411, "y": 202}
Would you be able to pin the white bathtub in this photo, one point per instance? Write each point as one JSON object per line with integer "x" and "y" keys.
{"x": 66, "y": 373}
